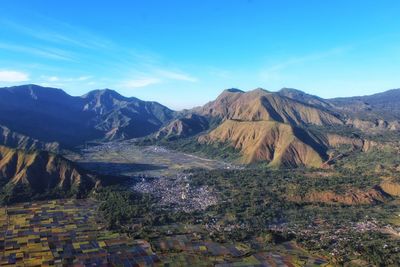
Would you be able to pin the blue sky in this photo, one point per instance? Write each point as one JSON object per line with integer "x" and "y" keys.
{"x": 184, "y": 53}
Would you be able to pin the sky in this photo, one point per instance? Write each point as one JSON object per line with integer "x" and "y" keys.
{"x": 184, "y": 53}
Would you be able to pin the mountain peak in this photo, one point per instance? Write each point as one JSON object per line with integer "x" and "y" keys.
{"x": 233, "y": 90}
{"x": 105, "y": 93}
{"x": 34, "y": 90}
{"x": 291, "y": 90}
{"x": 259, "y": 89}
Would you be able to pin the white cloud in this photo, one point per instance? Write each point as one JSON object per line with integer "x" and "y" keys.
{"x": 53, "y": 78}
{"x": 141, "y": 82}
{"x": 179, "y": 76}
{"x": 84, "y": 78}
{"x": 64, "y": 79}
{"x": 13, "y": 76}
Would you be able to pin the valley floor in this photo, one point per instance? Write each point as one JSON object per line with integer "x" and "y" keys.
{"x": 126, "y": 158}
{"x": 194, "y": 211}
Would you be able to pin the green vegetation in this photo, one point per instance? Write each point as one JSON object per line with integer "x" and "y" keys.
{"x": 346, "y": 131}
{"x": 260, "y": 204}
{"x": 10, "y": 194}
{"x": 387, "y": 158}
{"x": 123, "y": 209}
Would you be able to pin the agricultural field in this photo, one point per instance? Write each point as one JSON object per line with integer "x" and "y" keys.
{"x": 65, "y": 232}
{"x": 182, "y": 250}
{"x": 68, "y": 232}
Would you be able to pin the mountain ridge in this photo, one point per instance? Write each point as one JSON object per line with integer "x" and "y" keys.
{"x": 49, "y": 115}
{"x": 30, "y": 174}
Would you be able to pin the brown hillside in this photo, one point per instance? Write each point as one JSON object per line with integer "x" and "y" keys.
{"x": 260, "y": 104}
{"x": 274, "y": 142}
{"x": 352, "y": 197}
{"x": 42, "y": 171}
{"x": 391, "y": 188}
{"x": 183, "y": 127}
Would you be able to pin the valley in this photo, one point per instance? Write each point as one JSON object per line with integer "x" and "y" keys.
{"x": 253, "y": 178}
{"x": 128, "y": 159}
{"x": 211, "y": 133}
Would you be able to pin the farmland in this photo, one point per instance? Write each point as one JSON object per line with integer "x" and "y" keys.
{"x": 68, "y": 232}
{"x": 64, "y": 232}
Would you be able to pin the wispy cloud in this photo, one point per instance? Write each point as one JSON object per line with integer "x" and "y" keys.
{"x": 140, "y": 82}
{"x": 53, "y": 79}
{"x": 275, "y": 72}
{"x": 220, "y": 73}
{"x": 65, "y": 79}
{"x": 84, "y": 78}
{"x": 154, "y": 75}
{"x": 94, "y": 53}
{"x": 78, "y": 79}
{"x": 11, "y": 76}
{"x": 47, "y": 52}
{"x": 64, "y": 82}
{"x": 174, "y": 75}
{"x": 309, "y": 58}
{"x": 70, "y": 35}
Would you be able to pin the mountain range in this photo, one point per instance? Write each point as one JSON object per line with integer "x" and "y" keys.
{"x": 288, "y": 128}
{"x": 285, "y": 128}
{"x": 51, "y": 115}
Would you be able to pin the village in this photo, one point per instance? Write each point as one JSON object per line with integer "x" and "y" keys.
{"x": 176, "y": 192}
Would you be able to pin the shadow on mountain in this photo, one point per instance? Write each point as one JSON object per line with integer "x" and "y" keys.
{"x": 119, "y": 168}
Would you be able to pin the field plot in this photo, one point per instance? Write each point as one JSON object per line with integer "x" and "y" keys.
{"x": 65, "y": 232}
{"x": 181, "y": 250}
{"x": 286, "y": 254}
{"x": 125, "y": 158}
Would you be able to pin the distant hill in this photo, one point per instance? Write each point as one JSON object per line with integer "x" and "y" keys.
{"x": 278, "y": 143}
{"x": 46, "y": 114}
{"x": 265, "y": 126}
{"x": 51, "y": 115}
{"x": 279, "y": 127}
{"x": 119, "y": 117}
{"x": 16, "y": 140}
{"x": 260, "y": 104}
{"x": 189, "y": 125}
{"x": 385, "y": 105}
{"x": 303, "y": 97}
{"x": 39, "y": 174}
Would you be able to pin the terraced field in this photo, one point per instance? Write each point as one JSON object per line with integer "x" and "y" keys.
{"x": 67, "y": 232}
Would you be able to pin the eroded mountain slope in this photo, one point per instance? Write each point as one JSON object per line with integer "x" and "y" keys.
{"x": 40, "y": 172}
{"x": 274, "y": 142}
